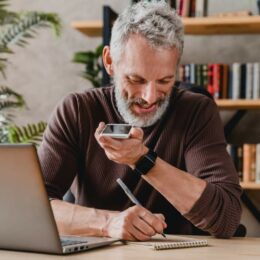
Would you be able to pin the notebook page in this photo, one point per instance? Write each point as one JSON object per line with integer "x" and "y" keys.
{"x": 158, "y": 243}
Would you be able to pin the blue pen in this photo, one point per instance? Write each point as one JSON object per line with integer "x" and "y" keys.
{"x": 131, "y": 196}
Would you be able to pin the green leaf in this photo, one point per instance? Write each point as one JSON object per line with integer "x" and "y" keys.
{"x": 19, "y": 27}
{"x": 93, "y": 64}
{"x": 27, "y": 21}
{"x": 10, "y": 99}
{"x": 30, "y": 133}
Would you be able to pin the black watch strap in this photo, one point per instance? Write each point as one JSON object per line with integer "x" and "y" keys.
{"x": 146, "y": 162}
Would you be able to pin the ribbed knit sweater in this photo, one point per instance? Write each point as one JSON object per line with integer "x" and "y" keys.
{"x": 192, "y": 140}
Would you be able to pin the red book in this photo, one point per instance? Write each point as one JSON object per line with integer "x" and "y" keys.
{"x": 210, "y": 87}
{"x": 216, "y": 80}
{"x": 225, "y": 80}
{"x": 180, "y": 10}
{"x": 185, "y": 8}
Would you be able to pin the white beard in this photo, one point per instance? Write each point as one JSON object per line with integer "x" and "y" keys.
{"x": 123, "y": 106}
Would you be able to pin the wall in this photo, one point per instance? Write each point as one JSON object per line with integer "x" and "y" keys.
{"x": 43, "y": 71}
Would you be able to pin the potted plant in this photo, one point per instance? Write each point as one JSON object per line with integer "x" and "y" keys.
{"x": 18, "y": 28}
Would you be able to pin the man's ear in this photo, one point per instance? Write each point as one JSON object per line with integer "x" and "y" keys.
{"x": 107, "y": 60}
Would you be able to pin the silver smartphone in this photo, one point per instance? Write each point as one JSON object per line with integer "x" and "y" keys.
{"x": 121, "y": 131}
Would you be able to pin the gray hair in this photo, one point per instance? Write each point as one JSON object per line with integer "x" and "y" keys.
{"x": 154, "y": 20}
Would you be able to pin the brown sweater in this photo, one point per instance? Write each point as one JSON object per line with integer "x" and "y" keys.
{"x": 192, "y": 140}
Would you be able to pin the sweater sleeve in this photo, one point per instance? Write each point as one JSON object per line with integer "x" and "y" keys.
{"x": 218, "y": 210}
{"x": 59, "y": 150}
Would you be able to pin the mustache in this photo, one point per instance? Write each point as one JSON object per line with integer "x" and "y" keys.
{"x": 140, "y": 101}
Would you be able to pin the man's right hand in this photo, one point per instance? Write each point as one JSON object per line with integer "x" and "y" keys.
{"x": 135, "y": 223}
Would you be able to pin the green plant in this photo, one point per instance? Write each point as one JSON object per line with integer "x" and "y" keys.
{"x": 17, "y": 28}
{"x": 93, "y": 65}
{"x": 30, "y": 133}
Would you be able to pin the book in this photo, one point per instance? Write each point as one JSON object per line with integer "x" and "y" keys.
{"x": 201, "y": 8}
{"x": 225, "y": 81}
{"x": 247, "y": 162}
{"x": 242, "y": 81}
{"x": 256, "y": 80}
{"x": 158, "y": 243}
{"x": 257, "y": 178}
{"x": 236, "y": 68}
{"x": 249, "y": 80}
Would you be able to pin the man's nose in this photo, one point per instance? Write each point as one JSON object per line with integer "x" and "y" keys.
{"x": 149, "y": 93}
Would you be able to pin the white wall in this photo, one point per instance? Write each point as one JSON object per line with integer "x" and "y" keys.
{"x": 43, "y": 71}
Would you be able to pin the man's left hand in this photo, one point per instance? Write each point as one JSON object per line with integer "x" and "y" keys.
{"x": 123, "y": 151}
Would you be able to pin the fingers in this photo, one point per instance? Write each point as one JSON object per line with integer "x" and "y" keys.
{"x": 101, "y": 126}
{"x": 144, "y": 223}
{"x": 160, "y": 216}
{"x": 105, "y": 141}
{"x": 137, "y": 133}
{"x": 135, "y": 223}
{"x": 156, "y": 221}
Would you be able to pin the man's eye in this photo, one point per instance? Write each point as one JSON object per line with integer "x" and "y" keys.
{"x": 137, "y": 81}
{"x": 164, "y": 82}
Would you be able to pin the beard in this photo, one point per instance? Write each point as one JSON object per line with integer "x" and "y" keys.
{"x": 147, "y": 119}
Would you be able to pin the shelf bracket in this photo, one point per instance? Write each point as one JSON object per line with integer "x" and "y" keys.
{"x": 231, "y": 124}
{"x": 249, "y": 204}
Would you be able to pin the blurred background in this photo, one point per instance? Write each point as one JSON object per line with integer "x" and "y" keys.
{"x": 43, "y": 72}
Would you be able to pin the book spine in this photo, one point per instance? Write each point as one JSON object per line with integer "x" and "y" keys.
{"x": 247, "y": 162}
{"x": 242, "y": 81}
{"x": 253, "y": 163}
{"x": 239, "y": 165}
{"x": 225, "y": 81}
{"x": 256, "y": 80}
{"x": 216, "y": 80}
{"x": 192, "y": 8}
{"x": 186, "y": 8}
{"x": 187, "y": 72}
{"x": 230, "y": 83}
{"x": 180, "y": 9}
{"x": 192, "y": 73}
{"x": 204, "y": 76}
{"x": 249, "y": 80}
{"x": 257, "y": 177}
{"x": 200, "y": 8}
{"x": 236, "y": 80}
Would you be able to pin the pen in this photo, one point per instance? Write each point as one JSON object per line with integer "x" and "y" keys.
{"x": 131, "y": 196}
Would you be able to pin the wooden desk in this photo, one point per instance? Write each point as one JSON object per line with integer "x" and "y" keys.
{"x": 233, "y": 249}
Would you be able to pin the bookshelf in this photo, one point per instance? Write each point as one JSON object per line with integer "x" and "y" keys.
{"x": 209, "y": 26}
{"x": 250, "y": 185}
{"x": 196, "y": 26}
{"x": 245, "y": 104}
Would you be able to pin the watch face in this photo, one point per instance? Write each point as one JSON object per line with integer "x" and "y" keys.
{"x": 146, "y": 163}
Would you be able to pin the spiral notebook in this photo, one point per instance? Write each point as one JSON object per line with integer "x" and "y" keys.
{"x": 173, "y": 242}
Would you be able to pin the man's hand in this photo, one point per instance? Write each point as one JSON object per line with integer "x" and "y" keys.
{"x": 123, "y": 151}
{"x": 135, "y": 223}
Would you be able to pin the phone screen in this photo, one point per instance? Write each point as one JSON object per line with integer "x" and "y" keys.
{"x": 117, "y": 130}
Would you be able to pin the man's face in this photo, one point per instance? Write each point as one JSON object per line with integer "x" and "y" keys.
{"x": 143, "y": 79}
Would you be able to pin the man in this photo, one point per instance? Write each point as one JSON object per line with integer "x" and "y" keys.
{"x": 185, "y": 179}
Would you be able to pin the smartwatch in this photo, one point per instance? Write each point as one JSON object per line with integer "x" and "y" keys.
{"x": 146, "y": 163}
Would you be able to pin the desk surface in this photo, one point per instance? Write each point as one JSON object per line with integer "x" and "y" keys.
{"x": 235, "y": 249}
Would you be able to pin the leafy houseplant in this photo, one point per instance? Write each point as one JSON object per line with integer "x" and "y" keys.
{"x": 18, "y": 28}
{"x": 93, "y": 65}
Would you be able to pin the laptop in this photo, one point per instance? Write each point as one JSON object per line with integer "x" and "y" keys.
{"x": 26, "y": 218}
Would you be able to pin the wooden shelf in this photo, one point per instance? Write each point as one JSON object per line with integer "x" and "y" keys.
{"x": 250, "y": 185}
{"x": 238, "y": 104}
{"x": 89, "y": 28}
{"x": 222, "y": 25}
{"x": 197, "y": 26}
